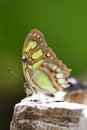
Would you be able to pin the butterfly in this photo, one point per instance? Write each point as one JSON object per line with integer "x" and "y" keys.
{"x": 43, "y": 71}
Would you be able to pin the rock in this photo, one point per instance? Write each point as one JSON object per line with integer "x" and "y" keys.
{"x": 83, "y": 120}
{"x": 34, "y": 113}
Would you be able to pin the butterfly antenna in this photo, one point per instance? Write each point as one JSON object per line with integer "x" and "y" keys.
{"x": 13, "y": 73}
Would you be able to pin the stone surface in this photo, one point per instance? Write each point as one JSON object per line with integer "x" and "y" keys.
{"x": 37, "y": 113}
{"x": 83, "y": 120}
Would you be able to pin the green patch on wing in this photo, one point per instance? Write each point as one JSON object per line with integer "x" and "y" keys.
{"x": 43, "y": 81}
{"x": 31, "y": 45}
{"x": 30, "y": 67}
{"x": 35, "y": 65}
{"x": 37, "y": 54}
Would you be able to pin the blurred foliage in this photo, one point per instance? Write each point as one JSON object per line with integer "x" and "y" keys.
{"x": 64, "y": 24}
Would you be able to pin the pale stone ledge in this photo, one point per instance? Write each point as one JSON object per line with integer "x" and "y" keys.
{"x": 33, "y": 113}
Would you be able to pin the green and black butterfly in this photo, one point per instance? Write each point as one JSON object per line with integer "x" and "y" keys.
{"x": 42, "y": 70}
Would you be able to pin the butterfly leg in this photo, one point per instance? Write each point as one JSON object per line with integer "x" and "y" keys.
{"x": 51, "y": 95}
{"x": 28, "y": 90}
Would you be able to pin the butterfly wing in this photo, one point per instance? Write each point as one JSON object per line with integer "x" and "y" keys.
{"x": 42, "y": 70}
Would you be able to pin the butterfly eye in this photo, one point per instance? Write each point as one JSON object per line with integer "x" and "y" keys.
{"x": 26, "y": 62}
{"x": 24, "y": 58}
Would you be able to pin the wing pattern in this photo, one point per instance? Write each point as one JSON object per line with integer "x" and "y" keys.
{"x": 43, "y": 71}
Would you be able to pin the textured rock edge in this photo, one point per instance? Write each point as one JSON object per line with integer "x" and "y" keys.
{"x": 33, "y": 114}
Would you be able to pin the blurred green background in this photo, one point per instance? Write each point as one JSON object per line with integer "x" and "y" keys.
{"x": 64, "y": 24}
